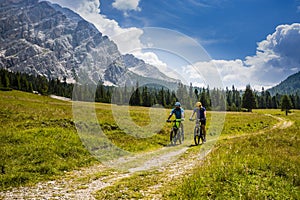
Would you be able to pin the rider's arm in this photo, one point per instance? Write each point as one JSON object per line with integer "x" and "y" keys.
{"x": 192, "y": 115}
{"x": 171, "y": 113}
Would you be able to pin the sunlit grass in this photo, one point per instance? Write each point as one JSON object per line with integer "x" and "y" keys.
{"x": 39, "y": 138}
{"x": 242, "y": 123}
{"x": 265, "y": 166}
{"x": 39, "y": 141}
{"x": 243, "y": 165}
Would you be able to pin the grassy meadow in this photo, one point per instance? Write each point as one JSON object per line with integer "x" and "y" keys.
{"x": 254, "y": 158}
{"x": 251, "y": 159}
{"x": 262, "y": 166}
{"x": 39, "y": 139}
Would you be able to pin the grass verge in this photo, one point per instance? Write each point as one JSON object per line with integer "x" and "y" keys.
{"x": 38, "y": 139}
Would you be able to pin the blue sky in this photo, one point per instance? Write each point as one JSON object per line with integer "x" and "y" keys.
{"x": 254, "y": 42}
{"x": 226, "y": 29}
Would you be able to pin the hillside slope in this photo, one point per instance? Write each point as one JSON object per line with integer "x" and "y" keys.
{"x": 41, "y": 38}
{"x": 291, "y": 85}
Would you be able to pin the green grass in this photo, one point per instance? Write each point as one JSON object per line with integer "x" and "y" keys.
{"x": 266, "y": 166}
{"x": 39, "y": 139}
{"x": 130, "y": 188}
{"x": 263, "y": 166}
{"x": 242, "y": 123}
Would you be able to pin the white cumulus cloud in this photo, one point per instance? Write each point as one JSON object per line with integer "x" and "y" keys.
{"x": 277, "y": 57}
{"x": 126, "y": 5}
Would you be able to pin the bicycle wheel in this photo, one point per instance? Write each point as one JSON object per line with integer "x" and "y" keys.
{"x": 171, "y": 136}
{"x": 196, "y": 136}
{"x": 201, "y": 136}
{"x": 179, "y": 133}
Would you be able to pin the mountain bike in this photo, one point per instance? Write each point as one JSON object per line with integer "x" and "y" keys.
{"x": 198, "y": 132}
{"x": 176, "y": 132}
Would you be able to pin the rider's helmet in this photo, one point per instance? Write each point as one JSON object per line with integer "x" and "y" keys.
{"x": 177, "y": 104}
{"x": 198, "y": 104}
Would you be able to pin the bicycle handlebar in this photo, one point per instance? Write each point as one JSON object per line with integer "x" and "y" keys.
{"x": 175, "y": 120}
{"x": 197, "y": 119}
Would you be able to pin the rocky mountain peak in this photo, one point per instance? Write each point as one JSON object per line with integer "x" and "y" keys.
{"x": 41, "y": 38}
{"x": 4, "y": 3}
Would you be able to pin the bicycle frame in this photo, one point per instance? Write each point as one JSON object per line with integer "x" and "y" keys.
{"x": 198, "y": 132}
{"x": 175, "y": 134}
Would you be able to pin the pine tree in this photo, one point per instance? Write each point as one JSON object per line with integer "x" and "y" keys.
{"x": 146, "y": 98}
{"x": 25, "y": 84}
{"x": 18, "y": 81}
{"x": 229, "y": 98}
{"x": 125, "y": 95}
{"x": 286, "y": 104}
{"x": 168, "y": 98}
{"x": 297, "y": 102}
{"x": 5, "y": 80}
{"x": 268, "y": 99}
{"x": 262, "y": 99}
{"x": 204, "y": 98}
{"x": 249, "y": 99}
{"x": 196, "y": 94}
{"x": 136, "y": 98}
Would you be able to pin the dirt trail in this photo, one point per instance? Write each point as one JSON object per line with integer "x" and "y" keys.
{"x": 83, "y": 183}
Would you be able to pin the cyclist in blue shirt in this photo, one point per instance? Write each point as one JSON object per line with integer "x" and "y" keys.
{"x": 201, "y": 115}
{"x": 179, "y": 114}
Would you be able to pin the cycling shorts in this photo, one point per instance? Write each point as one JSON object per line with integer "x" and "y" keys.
{"x": 203, "y": 121}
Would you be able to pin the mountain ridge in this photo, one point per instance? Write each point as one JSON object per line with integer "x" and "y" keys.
{"x": 291, "y": 85}
{"x": 42, "y": 38}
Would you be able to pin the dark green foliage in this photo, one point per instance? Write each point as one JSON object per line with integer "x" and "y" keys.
{"x": 29, "y": 83}
{"x": 249, "y": 99}
{"x": 286, "y": 104}
{"x": 147, "y": 95}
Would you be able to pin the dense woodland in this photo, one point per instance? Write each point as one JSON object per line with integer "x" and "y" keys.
{"x": 229, "y": 99}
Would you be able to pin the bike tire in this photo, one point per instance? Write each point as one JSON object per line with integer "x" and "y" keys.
{"x": 201, "y": 136}
{"x": 179, "y": 136}
{"x": 182, "y": 134}
{"x": 175, "y": 136}
{"x": 171, "y": 136}
{"x": 196, "y": 137}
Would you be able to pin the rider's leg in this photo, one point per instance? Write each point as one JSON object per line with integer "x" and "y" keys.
{"x": 204, "y": 132}
{"x": 203, "y": 124}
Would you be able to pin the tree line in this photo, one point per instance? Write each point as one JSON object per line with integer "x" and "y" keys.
{"x": 149, "y": 95}
{"x": 37, "y": 84}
